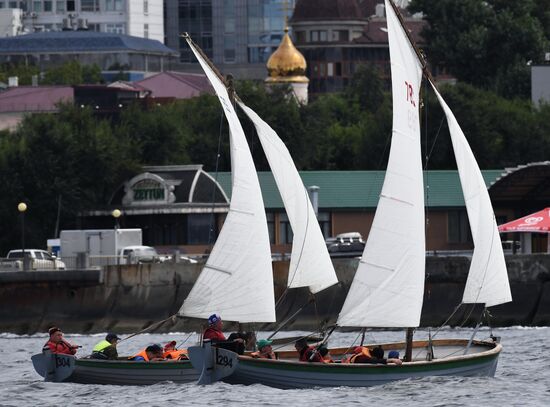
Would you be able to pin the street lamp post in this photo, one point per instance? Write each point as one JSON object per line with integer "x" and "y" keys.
{"x": 116, "y": 214}
{"x": 22, "y": 207}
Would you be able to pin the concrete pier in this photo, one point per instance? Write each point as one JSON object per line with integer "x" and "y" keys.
{"x": 131, "y": 297}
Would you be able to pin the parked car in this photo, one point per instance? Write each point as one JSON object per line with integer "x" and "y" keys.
{"x": 140, "y": 254}
{"x": 38, "y": 260}
{"x": 351, "y": 242}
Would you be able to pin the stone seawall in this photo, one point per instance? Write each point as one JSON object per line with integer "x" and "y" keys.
{"x": 131, "y": 298}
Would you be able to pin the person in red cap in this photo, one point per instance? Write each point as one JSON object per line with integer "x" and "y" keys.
{"x": 56, "y": 343}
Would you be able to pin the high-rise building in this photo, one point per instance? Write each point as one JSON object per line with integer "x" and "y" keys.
{"x": 238, "y": 35}
{"x": 139, "y": 18}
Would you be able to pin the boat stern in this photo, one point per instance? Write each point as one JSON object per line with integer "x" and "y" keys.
{"x": 212, "y": 362}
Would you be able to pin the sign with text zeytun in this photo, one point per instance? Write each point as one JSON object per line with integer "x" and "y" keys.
{"x": 148, "y": 189}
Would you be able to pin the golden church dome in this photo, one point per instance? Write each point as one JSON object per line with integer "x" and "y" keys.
{"x": 286, "y": 64}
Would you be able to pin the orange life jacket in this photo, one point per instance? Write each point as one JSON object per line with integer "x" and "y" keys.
{"x": 351, "y": 359}
{"x": 143, "y": 354}
{"x": 175, "y": 354}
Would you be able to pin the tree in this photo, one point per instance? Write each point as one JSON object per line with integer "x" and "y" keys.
{"x": 485, "y": 43}
{"x": 72, "y": 73}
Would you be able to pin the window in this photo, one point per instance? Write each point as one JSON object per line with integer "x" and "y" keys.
{"x": 270, "y": 216}
{"x": 229, "y": 49}
{"x": 12, "y": 4}
{"x": 37, "y": 6}
{"x": 1, "y": 4}
{"x": 330, "y": 69}
{"x": 285, "y": 230}
{"x": 60, "y": 6}
{"x": 115, "y": 28}
{"x": 145, "y": 6}
{"x": 300, "y": 36}
{"x": 70, "y": 5}
{"x": 145, "y": 30}
{"x": 114, "y": 5}
{"x": 314, "y": 36}
{"x": 458, "y": 228}
{"x": 198, "y": 228}
{"x": 89, "y": 5}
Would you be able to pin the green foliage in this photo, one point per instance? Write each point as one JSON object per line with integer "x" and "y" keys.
{"x": 81, "y": 159}
{"x": 72, "y": 73}
{"x": 23, "y": 72}
{"x": 486, "y": 43}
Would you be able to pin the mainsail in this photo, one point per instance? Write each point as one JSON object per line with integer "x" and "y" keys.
{"x": 310, "y": 264}
{"x": 488, "y": 278}
{"x": 237, "y": 280}
{"x": 388, "y": 287}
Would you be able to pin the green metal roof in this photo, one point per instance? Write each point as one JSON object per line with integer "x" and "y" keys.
{"x": 360, "y": 189}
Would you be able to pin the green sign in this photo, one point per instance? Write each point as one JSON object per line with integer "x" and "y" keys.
{"x": 149, "y": 194}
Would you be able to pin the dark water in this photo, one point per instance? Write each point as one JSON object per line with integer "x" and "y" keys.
{"x": 522, "y": 379}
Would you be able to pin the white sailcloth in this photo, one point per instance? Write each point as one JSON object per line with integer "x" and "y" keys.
{"x": 488, "y": 278}
{"x": 310, "y": 264}
{"x": 237, "y": 280}
{"x": 388, "y": 287}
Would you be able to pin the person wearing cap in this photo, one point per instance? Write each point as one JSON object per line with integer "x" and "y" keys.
{"x": 106, "y": 349}
{"x": 171, "y": 353}
{"x": 56, "y": 343}
{"x": 265, "y": 351}
{"x": 214, "y": 330}
{"x": 151, "y": 353}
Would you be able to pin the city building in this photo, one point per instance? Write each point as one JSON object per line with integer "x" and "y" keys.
{"x": 111, "y": 52}
{"x": 183, "y": 207}
{"x": 237, "y": 35}
{"x": 139, "y": 18}
{"x": 338, "y": 36}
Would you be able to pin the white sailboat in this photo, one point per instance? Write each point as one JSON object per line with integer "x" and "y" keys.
{"x": 388, "y": 287}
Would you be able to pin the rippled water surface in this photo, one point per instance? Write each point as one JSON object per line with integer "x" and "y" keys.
{"x": 522, "y": 378}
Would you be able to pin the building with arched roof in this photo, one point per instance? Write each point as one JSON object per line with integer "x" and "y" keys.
{"x": 184, "y": 207}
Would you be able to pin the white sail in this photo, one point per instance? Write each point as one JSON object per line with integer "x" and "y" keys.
{"x": 488, "y": 278}
{"x": 237, "y": 280}
{"x": 388, "y": 287}
{"x": 310, "y": 264}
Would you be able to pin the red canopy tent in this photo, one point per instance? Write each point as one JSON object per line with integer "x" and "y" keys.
{"x": 536, "y": 222}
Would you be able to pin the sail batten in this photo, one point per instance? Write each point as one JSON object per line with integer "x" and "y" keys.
{"x": 488, "y": 277}
{"x": 237, "y": 281}
{"x": 391, "y": 295}
{"x": 310, "y": 263}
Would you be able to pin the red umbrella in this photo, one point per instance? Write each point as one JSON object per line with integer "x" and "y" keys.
{"x": 536, "y": 222}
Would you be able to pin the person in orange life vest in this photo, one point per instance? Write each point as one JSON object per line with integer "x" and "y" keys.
{"x": 376, "y": 356}
{"x": 171, "y": 353}
{"x": 151, "y": 353}
{"x": 324, "y": 352}
{"x": 265, "y": 351}
{"x": 56, "y": 343}
{"x": 307, "y": 353}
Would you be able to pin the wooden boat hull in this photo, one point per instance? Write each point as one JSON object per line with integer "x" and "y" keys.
{"x": 119, "y": 372}
{"x": 285, "y": 373}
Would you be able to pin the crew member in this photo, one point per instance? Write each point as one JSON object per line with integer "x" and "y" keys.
{"x": 151, "y": 353}
{"x": 106, "y": 349}
{"x": 56, "y": 343}
{"x": 171, "y": 353}
{"x": 307, "y": 353}
{"x": 265, "y": 351}
{"x": 214, "y": 330}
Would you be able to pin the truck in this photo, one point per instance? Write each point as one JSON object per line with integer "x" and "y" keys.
{"x": 37, "y": 259}
{"x": 99, "y": 246}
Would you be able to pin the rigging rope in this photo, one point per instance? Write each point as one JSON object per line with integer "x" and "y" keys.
{"x": 211, "y": 229}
